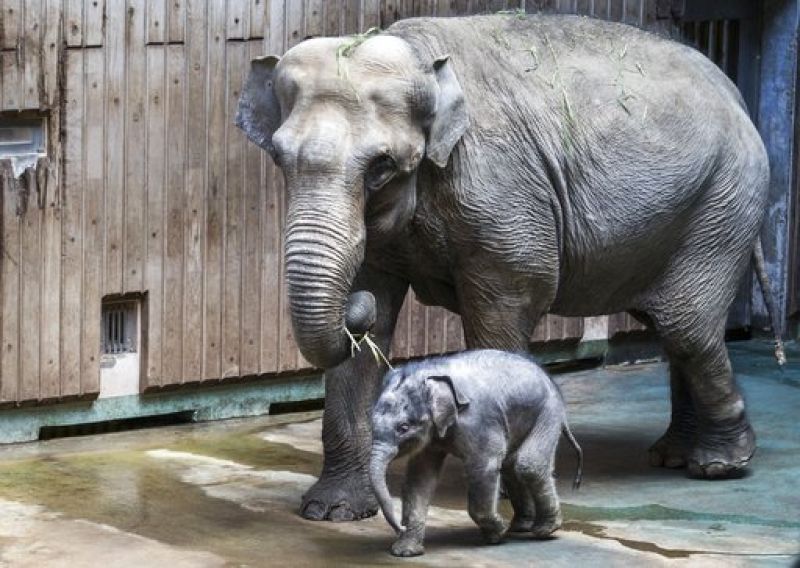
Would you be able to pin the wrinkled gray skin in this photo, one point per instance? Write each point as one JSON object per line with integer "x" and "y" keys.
{"x": 505, "y": 168}
{"x": 499, "y": 413}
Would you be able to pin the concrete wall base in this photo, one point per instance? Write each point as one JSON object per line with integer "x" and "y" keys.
{"x": 212, "y": 402}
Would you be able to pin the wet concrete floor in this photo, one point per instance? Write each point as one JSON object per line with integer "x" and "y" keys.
{"x": 226, "y": 493}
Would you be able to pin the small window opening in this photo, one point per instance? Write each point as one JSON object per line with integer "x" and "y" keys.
{"x": 120, "y": 327}
{"x": 22, "y": 137}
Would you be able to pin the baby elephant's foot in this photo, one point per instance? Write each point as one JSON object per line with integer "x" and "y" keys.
{"x": 407, "y": 546}
{"x": 544, "y": 528}
{"x": 521, "y": 524}
{"x": 494, "y": 530}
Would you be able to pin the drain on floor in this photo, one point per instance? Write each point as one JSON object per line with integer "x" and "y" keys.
{"x": 89, "y": 428}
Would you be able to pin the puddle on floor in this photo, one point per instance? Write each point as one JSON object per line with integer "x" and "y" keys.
{"x": 133, "y": 492}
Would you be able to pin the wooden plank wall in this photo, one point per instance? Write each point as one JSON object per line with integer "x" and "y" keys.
{"x": 149, "y": 188}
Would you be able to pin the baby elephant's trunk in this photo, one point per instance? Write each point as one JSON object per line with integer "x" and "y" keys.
{"x": 378, "y": 467}
{"x": 579, "y": 474}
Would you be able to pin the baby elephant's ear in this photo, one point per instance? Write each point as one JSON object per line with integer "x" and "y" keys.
{"x": 446, "y": 402}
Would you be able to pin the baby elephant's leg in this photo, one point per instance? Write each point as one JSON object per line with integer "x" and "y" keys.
{"x": 520, "y": 497}
{"x": 422, "y": 475}
{"x": 535, "y": 466}
{"x": 483, "y": 479}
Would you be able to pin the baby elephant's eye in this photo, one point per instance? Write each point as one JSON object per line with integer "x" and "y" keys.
{"x": 402, "y": 428}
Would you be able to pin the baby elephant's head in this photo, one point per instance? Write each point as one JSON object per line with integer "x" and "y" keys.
{"x": 412, "y": 410}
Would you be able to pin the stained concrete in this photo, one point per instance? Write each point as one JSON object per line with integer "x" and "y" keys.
{"x": 226, "y": 493}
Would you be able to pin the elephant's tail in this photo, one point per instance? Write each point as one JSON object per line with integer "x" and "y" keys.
{"x": 769, "y": 301}
{"x": 576, "y": 483}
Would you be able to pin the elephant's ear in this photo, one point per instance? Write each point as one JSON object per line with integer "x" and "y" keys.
{"x": 259, "y": 114}
{"x": 450, "y": 120}
{"x": 446, "y": 402}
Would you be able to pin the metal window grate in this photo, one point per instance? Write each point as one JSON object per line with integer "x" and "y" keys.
{"x": 718, "y": 40}
{"x": 21, "y": 137}
{"x": 119, "y": 328}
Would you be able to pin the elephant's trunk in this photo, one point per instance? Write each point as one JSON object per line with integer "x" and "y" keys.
{"x": 325, "y": 240}
{"x": 378, "y": 467}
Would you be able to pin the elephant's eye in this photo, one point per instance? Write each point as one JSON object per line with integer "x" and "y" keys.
{"x": 379, "y": 172}
{"x": 403, "y": 428}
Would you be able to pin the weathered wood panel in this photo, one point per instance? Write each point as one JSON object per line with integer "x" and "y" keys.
{"x": 72, "y": 226}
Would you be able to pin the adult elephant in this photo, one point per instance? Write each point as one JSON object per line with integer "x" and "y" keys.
{"x": 506, "y": 167}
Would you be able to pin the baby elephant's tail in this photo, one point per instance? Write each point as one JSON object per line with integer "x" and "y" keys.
{"x": 579, "y": 474}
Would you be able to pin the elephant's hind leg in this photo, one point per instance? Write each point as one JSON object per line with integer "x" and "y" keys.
{"x": 520, "y": 497}
{"x": 708, "y": 410}
{"x": 535, "y": 467}
{"x": 672, "y": 449}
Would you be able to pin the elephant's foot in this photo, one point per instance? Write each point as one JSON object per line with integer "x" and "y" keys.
{"x": 544, "y": 528}
{"x": 347, "y": 498}
{"x": 493, "y": 530}
{"x": 407, "y": 545}
{"x": 672, "y": 449}
{"x": 521, "y": 524}
{"x": 722, "y": 452}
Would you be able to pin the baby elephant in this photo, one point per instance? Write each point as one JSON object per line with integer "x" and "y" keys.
{"x": 499, "y": 412}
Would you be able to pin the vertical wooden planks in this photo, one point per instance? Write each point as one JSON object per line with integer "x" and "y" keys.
{"x": 11, "y": 95}
{"x": 10, "y": 285}
{"x": 295, "y": 23}
{"x": 52, "y": 47}
{"x": 213, "y": 264}
{"x": 417, "y": 328}
{"x": 332, "y": 17}
{"x": 133, "y": 243}
{"x": 371, "y": 14}
{"x": 10, "y": 23}
{"x": 616, "y": 10}
{"x": 399, "y": 349}
{"x": 50, "y": 201}
{"x": 115, "y": 147}
{"x": 30, "y": 285}
{"x": 258, "y": 18}
{"x": 93, "y": 214}
{"x": 73, "y": 23}
{"x": 176, "y": 14}
{"x": 272, "y": 289}
{"x": 172, "y": 323}
{"x": 237, "y": 20}
{"x": 352, "y": 16}
{"x": 435, "y": 329}
{"x": 315, "y": 24}
{"x": 31, "y": 54}
{"x": 157, "y": 28}
{"x": 233, "y": 268}
{"x": 71, "y": 225}
{"x": 253, "y": 200}
{"x": 156, "y": 220}
{"x": 94, "y": 16}
{"x": 193, "y": 312}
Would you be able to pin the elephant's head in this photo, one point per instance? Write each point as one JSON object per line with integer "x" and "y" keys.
{"x": 412, "y": 411}
{"x": 349, "y": 126}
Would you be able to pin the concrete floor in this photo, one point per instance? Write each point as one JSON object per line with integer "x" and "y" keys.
{"x": 225, "y": 493}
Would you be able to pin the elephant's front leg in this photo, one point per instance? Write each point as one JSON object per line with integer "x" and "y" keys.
{"x": 483, "y": 478}
{"x": 343, "y": 491}
{"x": 421, "y": 477}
